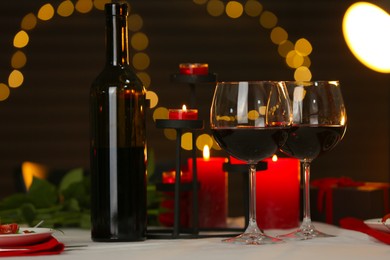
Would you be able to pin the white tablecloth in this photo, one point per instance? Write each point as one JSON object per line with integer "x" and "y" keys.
{"x": 346, "y": 245}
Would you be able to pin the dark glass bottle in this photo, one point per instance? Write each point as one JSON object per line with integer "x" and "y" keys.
{"x": 118, "y": 140}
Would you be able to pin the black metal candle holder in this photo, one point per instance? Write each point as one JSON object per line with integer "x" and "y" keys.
{"x": 180, "y": 126}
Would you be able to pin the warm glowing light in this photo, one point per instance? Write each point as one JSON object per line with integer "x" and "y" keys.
{"x": 184, "y": 108}
{"x": 206, "y": 152}
{"x": 215, "y": 7}
{"x": 46, "y": 12}
{"x": 4, "y": 92}
{"x": 234, "y": 9}
{"x": 202, "y": 140}
{"x": 186, "y": 141}
{"x": 139, "y": 41}
{"x": 253, "y": 115}
{"x": 170, "y": 134}
{"x": 18, "y": 60}
{"x": 268, "y": 19}
{"x": 15, "y": 79}
{"x": 65, "y": 9}
{"x": 285, "y": 47}
{"x": 366, "y": 32}
{"x": 29, "y": 22}
{"x": 303, "y": 47}
{"x": 294, "y": 59}
{"x": 160, "y": 113}
{"x": 141, "y": 61}
{"x": 152, "y": 96}
{"x": 274, "y": 158}
{"x": 279, "y": 35}
{"x": 84, "y": 6}
{"x": 302, "y": 74}
{"x": 21, "y": 39}
{"x": 135, "y": 22}
{"x": 253, "y": 8}
{"x": 31, "y": 170}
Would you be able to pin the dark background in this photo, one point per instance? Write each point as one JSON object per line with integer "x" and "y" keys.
{"x": 46, "y": 119}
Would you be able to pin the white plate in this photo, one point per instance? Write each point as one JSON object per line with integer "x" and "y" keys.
{"x": 376, "y": 223}
{"x": 25, "y": 238}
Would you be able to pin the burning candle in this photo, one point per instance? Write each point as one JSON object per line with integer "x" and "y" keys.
{"x": 183, "y": 114}
{"x": 212, "y": 196}
{"x": 194, "y": 68}
{"x": 277, "y": 193}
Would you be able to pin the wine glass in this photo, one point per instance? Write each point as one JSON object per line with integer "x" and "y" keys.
{"x": 319, "y": 124}
{"x": 250, "y": 120}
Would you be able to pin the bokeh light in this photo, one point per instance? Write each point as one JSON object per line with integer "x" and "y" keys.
{"x": 279, "y": 35}
{"x": 152, "y": 96}
{"x": 84, "y": 6}
{"x": 29, "y": 22}
{"x": 253, "y": 8}
{"x": 18, "y": 60}
{"x": 139, "y": 41}
{"x": 65, "y": 9}
{"x": 135, "y": 22}
{"x": 21, "y": 39}
{"x": 4, "y": 92}
{"x": 234, "y": 9}
{"x": 46, "y": 12}
{"x": 215, "y": 7}
{"x": 366, "y": 32}
{"x": 202, "y": 140}
{"x": 15, "y": 79}
{"x": 141, "y": 61}
{"x": 268, "y": 19}
{"x": 186, "y": 141}
{"x": 302, "y": 74}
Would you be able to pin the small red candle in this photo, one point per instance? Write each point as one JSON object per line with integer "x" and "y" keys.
{"x": 183, "y": 114}
{"x": 212, "y": 196}
{"x": 277, "y": 193}
{"x": 194, "y": 68}
{"x": 166, "y": 217}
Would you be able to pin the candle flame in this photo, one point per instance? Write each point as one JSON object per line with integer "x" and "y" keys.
{"x": 184, "y": 108}
{"x": 274, "y": 158}
{"x": 206, "y": 152}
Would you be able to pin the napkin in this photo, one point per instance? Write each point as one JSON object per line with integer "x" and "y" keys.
{"x": 50, "y": 246}
{"x": 359, "y": 225}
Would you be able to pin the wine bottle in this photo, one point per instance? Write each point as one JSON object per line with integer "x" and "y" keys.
{"x": 118, "y": 140}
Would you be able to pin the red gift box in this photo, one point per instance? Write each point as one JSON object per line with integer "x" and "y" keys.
{"x": 335, "y": 198}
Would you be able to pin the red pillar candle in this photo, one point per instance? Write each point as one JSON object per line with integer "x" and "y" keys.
{"x": 277, "y": 200}
{"x": 194, "y": 68}
{"x": 212, "y": 195}
{"x": 183, "y": 114}
{"x": 277, "y": 193}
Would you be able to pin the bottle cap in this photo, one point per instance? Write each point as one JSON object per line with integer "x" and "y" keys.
{"x": 116, "y": 9}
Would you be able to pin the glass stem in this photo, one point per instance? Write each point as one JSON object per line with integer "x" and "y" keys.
{"x": 306, "y": 224}
{"x": 252, "y": 225}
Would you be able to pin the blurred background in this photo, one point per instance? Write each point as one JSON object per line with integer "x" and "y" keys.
{"x": 50, "y": 52}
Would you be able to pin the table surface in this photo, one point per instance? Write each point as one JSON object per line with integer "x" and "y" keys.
{"x": 345, "y": 245}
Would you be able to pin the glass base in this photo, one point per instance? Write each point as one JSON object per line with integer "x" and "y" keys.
{"x": 305, "y": 232}
{"x": 252, "y": 236}
{"x": 252, "y": 239}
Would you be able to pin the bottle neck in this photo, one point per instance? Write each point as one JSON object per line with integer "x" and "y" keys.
{"x": 117, "y": 49}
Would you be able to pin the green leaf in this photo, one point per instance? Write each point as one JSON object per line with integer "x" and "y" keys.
{"x": 42, "y": 193}
{"x": 28, "y": 212}
{"x": 14, "y": 201}
{"x": 75, "y": 175}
